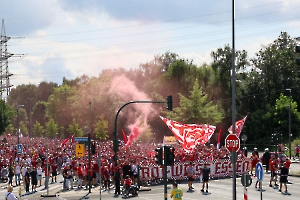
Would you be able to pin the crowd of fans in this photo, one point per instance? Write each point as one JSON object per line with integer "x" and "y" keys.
{"x": 30, "y": 167}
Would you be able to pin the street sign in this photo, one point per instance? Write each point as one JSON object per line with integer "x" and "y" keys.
{"x": 232, "y": 142}
{"x": 81, "y": 139}
{"x": 246, "y": 180}
{"x": 79, "y": 150}
{"x": 259, "y": 171}
{"x": 19, "y": 148}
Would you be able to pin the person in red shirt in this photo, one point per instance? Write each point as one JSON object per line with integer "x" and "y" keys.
{"x": 96, "y": 170}
{"x": 127, "y": 182}
{"x": 88, "y": 175}
{"x": 54, "y": 171}
{"x": 254, "y": 161}
{"x": 79, "y": 176}
{"x": 288, "y": 163}
{"x": 273, "y": 168}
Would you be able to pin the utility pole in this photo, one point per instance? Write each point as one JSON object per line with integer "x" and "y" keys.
{"x": 290, "y": 123}
{"x": 30, "y": 117}
{"x": 65, "y": 92}
{"x": 18, "y": 125}
{"x": 4, "y": 56}
{"x": 89, "y": 141}
{"x": 233, "y": 80}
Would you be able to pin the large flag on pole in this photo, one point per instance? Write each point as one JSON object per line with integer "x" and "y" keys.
{"x": 190, "y": 135}
{"x": 219, "y": 139}
{"x": 238, "y": 127}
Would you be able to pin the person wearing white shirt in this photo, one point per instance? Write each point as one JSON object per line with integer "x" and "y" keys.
{"x": 39, "y": 171}
{"x": 24, "y": 170}
{"x": 17, "y": 174}
{"x": 69, "y": 160}
{"x": 9, "y": 195}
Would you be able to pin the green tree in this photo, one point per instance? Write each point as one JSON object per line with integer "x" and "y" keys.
{"x": 197, "y": 109}
{"x": 278, "y": 69}
{"x": 10, "y": 128}
{"x": 51, "y": 128}
{"x": 58, "y": 105}
{"x": 23, "y": 128}
{"x": 220, "y": 87}
{"x": 75, "y": 129}
{"x": 37, "y": 129}
{"x": 6, "y": 116}
{"x": 281, "y": 117}
{"x": 101, "y": 129}
{"x": 39, "y": 111}
{"x": 265, "y": 122}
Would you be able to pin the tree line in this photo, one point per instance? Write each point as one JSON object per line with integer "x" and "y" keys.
{"x": 201, "y": 94}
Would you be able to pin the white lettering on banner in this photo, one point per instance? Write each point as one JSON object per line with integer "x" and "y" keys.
{"x": 218, "y": 168}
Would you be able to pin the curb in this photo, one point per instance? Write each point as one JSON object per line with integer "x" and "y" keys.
{"x": 144, "y": 189}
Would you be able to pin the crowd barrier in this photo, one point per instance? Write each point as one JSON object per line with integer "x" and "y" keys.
{"x": 220, "y": 168}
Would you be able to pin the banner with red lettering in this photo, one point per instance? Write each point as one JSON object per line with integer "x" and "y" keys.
{"x": 218, "y": 169}
{"x": 189, "y": 135}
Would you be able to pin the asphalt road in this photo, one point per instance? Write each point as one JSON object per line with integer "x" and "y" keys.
{"x": 219, "y": 189}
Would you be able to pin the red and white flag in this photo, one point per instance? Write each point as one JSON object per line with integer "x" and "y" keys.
{"x": 238, "y": 127}
{"x": 73, "y": 138}
{"x": 219, "y": 139}
{"x": 65, "y": 142}
{"x": 189, "y": 135}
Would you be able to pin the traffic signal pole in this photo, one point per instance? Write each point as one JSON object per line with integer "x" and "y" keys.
{"x": 115, "y": 142}
{"x": 165, "y": 174}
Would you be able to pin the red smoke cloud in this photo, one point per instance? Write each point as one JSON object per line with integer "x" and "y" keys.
{"x": 133, "y": 136}
{"x": 126, "y": 89}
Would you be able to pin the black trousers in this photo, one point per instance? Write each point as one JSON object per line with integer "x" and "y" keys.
{"x": 267, "y": 166}
{"x": 106, "y": 183}
{"x": 117, "y": 187}
{"x": 27, "y": 186}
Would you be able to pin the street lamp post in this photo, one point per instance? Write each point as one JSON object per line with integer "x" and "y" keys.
{"x": 290, "y": 123}
{"x": 30, "y": 117}
{"x": 18, "y": 125}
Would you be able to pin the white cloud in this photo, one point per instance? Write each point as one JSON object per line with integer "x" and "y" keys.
{"x": 72, "y": 38}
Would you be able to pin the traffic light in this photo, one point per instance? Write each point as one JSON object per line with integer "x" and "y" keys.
{"x": 93, "y": 147}
{"x": 170, "y": 155}
{"x": 116, "y": 145}
{"x": 159, "y": 156}
{"x": 297, "y": 49}
{"x": 170, "y": 103}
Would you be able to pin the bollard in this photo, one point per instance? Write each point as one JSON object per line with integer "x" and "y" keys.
{"x": 245, "y": 194}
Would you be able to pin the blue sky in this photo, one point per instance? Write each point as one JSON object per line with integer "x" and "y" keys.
{"x": 70, "y": 38}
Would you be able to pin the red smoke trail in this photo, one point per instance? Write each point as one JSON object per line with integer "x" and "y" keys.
{"x": 127, "y": 90}
{"x": 133, "y": 136}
